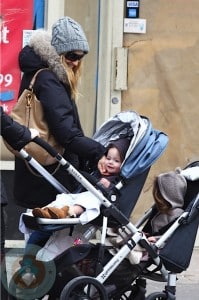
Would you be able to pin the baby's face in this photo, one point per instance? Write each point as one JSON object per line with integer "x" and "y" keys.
{"x": 113, "y": 161}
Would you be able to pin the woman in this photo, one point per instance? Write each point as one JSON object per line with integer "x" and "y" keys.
{"x": 56, "y": 87}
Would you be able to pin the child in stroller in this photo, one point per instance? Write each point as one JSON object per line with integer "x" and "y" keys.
{"x": 84, "y": 204}
{"x": 73, "y": 205}
{"x": 169, "y": 190}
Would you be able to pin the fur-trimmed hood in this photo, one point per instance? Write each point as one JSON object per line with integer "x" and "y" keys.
{"x": 41, "y": 54}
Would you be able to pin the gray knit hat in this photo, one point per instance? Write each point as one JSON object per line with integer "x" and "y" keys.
{"x": 68, "y": 35}
{"x": 173, "y": 187}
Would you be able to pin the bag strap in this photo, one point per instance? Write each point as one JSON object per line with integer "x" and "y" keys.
{"x": 34, "y": 78}
{"x": 37, "y": 174}
{"x": 30, "y": 98}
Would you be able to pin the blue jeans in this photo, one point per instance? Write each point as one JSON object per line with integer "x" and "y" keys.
{"x": 36, "y": 239}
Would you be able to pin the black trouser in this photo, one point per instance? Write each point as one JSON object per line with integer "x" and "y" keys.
{"x": 4, "y": 286}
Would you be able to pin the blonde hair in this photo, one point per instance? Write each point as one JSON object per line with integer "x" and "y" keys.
{"x": 162, "y": 205}
{"x": 73, "y": 76}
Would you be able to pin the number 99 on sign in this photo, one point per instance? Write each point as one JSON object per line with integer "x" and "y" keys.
{"x": 6, "y": 79}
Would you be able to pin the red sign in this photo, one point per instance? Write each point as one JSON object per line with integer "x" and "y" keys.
{"x": 16, "y": 16}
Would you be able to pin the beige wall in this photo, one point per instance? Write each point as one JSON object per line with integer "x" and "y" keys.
{"x": 163, "y": 79}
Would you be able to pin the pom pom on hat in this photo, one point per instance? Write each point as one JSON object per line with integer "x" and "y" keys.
{"x": 68, "y": 35}
{"x": 122, "y": 145}
{"x": 173, "y": 187}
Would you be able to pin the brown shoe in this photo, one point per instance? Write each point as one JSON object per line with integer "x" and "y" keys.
{"x": 58, "y": 213}
{"x": 41, "y": 213}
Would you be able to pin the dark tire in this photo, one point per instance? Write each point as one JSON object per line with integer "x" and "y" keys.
{"x": 157, "y": 296}
{"x": 75, "y": 289}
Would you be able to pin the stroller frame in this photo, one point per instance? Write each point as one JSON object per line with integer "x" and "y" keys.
{"x": 113, "y": 211}
{"x": 131, "y": 234}
{"x": 135, "y": 237}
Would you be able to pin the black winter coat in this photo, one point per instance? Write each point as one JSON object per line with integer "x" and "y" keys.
{"x": 15, "y": 134}
{"x": 62, "y": 117}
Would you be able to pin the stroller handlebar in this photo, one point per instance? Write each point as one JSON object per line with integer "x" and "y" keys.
{"x": 39, "y": 141}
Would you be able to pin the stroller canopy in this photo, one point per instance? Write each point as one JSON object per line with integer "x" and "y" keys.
{"x": 146, "y": 146}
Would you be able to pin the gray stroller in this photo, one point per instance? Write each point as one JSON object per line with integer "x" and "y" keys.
{"x": 90, "y": 270}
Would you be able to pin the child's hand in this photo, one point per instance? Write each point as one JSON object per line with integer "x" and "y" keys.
{"x": 105, "y": 182}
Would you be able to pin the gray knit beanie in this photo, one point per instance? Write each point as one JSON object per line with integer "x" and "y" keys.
{"x": 68, "y": 35}
{"x": 173, "y": 187}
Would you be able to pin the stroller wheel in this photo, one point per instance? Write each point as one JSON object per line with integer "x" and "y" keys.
{"x": 157, "y": 296}
{"x": 84, "y": 288}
